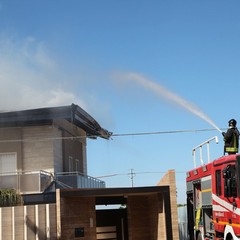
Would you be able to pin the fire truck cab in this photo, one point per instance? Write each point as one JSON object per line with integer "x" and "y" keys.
{"x": 213, "y": 199}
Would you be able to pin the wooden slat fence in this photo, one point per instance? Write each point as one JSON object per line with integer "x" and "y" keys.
{"x": 28, "y": 222}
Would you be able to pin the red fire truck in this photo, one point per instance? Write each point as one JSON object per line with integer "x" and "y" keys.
{"x": 213, "y": 198}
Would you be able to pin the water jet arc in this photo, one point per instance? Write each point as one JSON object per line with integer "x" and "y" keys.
{"x": 170, "y": 96}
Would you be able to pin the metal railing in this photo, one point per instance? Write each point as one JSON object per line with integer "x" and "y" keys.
{"x": 39, "y": 181}
{"x": 79, "y": 180}
{"x": 26, "y": 182}
{"x": 200, "y": 150}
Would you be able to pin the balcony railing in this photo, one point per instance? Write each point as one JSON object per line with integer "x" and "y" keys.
{"x": 39, "y": 181}
{"x": 26, "y": 182}
{"x": 78, "y": 180}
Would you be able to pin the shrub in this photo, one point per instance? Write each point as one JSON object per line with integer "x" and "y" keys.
{"x": 9, "y": 197}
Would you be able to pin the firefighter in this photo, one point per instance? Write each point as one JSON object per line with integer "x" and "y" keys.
{"x": 231, "y": 138}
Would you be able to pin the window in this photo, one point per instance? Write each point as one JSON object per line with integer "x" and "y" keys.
{"x": 8, "y": 162}
{"x": 230, "y": 187}
{"x": 70, "y": 164}
{"x": 77, "y": 165}
{"x": 218, "y": 183}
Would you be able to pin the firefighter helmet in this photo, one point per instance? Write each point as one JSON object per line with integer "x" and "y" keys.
{"x": 232, "y": 123}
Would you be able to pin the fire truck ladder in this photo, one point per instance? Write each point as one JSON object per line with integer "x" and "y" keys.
{"x": 200, "y": 149}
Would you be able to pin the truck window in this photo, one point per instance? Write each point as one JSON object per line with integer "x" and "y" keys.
{"x": 238, "y": 175}
{"x": 229, "y": 175}
{"x": 218, "y": 183}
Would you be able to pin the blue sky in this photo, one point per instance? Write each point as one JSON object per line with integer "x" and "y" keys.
{"x": 59, "y": 52}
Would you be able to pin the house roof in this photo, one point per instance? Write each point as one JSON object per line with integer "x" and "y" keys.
{"x": 72, "y": 113}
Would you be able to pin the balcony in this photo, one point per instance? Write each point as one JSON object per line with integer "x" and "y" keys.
{"x": 26, "y": 182}
{"x": 40, "y": 181}
{"x": 77, "y": 180}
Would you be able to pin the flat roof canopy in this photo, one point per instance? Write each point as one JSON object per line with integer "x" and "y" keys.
{"x": 113, "y": 195}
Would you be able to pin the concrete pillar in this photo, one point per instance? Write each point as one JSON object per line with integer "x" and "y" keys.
{"x": 58, "y": 213}
{"x": 170, "y": 180}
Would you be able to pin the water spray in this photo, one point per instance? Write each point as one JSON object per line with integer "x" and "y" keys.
{"x": 165, "y": 93}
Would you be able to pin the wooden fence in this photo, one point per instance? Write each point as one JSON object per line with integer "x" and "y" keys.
{"x": 28, "y": 222}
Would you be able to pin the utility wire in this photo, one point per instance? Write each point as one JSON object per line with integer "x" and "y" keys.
{"x": 132, "y": 175}
{"x": 164, "y": 132}
{"x": 112, "y": 136}
{"x": 132, "y": 172}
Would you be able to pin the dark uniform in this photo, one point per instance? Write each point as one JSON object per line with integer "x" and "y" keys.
{"x": 231, "y": 138}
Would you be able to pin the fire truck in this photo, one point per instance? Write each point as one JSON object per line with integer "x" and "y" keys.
{"x": 213, "y": 197}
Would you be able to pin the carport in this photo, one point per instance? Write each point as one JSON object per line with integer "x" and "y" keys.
{"x": 142, "y": 213}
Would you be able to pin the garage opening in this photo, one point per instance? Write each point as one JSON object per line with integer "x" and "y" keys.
{"x": 111, "y": 218}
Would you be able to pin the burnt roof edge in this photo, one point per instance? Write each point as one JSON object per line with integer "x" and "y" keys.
{"x": 72, "y": 113}
{"x": 93, "y": 128}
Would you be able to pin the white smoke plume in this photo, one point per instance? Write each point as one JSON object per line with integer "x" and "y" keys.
{"x": 168, "y": 95}
{"x": 30, "y": 77}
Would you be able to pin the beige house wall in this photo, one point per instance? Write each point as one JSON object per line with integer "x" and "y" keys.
{"x": 57, "y": 150}
{"x": 74, "y": 145}
{"x": 42, "y": 147}
{"x": 38, "y": 148}
{"x": 10, "y": 141}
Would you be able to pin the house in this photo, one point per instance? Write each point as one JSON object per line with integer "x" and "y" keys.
{"x": 43, "y": 156}
{"x": 44, "y": 148}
